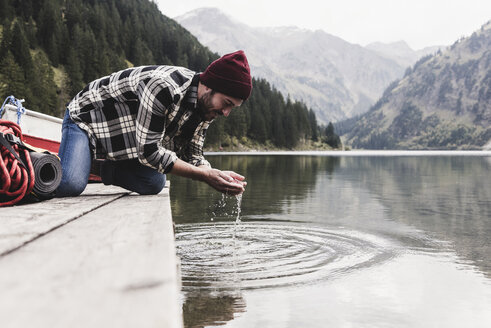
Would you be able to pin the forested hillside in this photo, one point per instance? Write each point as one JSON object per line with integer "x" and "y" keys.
{"x": 49, "y": 49}
{"x": 84, "y": 40}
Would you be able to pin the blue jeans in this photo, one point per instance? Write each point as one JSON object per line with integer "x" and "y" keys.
{"x": 76, "y": 160}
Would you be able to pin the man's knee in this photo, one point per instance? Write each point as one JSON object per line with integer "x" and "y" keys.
{"x": 133, "y": 176}
{"x": 71, "y": 188}
{"x": 152, "y": 186}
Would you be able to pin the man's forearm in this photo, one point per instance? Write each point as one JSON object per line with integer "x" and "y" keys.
{"x": 187, "y": 170}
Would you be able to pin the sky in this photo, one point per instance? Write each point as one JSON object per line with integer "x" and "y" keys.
{"x": 420, "y": 23}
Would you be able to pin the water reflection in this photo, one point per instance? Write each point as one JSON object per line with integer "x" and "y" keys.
{"x": 273, "y": 181}
{"x": 204, "y": 309}
{"x": 446, "y": 197}
{"x": 436, "y": 206}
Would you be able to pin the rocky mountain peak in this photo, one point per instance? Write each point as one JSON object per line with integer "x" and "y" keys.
{"x": 335, "y": 78}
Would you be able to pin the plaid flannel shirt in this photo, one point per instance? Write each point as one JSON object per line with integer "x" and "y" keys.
{"x": 146, "y": 112}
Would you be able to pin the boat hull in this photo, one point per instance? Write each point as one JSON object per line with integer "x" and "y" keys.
{"x": 39, "y": 130}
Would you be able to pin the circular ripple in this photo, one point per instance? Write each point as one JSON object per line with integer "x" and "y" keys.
{"x": 256, "y": 255}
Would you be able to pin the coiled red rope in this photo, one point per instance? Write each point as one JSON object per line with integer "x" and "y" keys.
{"x": 16, "y": 178}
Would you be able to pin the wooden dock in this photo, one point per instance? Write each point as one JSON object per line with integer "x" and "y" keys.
{"x": 104, "y": 259}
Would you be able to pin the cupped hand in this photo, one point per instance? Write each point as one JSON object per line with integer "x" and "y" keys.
{"x": 227, "y": 182}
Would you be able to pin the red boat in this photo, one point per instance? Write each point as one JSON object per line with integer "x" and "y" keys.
{"x": 38, "y": 129}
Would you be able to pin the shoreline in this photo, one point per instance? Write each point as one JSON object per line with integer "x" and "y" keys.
{"x": 353, "y": 153}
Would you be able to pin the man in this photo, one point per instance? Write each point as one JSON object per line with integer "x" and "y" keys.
{"x": 148, "y": 121}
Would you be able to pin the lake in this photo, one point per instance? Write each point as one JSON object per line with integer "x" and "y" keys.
{"x": 353, "y": 239}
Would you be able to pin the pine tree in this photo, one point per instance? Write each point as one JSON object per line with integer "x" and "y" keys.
{"x": 6, "y": 41}
{"x": 291, "y": 129}
{"x": 279, "y": 133}
{"x": 235, "y": 124}
{"x": 6, "y": 9}
{"x": 313, "y": 125}
{"x": 20, "y": 50}
{"x": 12, "y": 79}
{"x": 258, "y": 127}
{"x": 74, "y": 72}
{"x": 332, "y": 139}
{"x": 43, "y": 86}
{"x": 49, "y": 31}
{"x": 302, "y": 120}
{"x": 215, "y": 133}
{"x": 89, "y": 51}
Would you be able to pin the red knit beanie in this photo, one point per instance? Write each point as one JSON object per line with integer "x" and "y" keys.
{"x": 229, "y": 75}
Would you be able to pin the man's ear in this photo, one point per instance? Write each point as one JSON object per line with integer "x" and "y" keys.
{"x": 202, "y": 89}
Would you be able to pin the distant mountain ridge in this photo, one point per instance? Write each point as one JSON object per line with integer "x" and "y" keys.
{"x": 443, "y": 102}
{"x": 401, "y": 53}
{"x": 336, "y": 78}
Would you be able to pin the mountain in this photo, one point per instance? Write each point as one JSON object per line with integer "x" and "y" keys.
{"x": 443, "y": 102}
{"x": 401, "y": 53}
{"x": 336, "y": 78}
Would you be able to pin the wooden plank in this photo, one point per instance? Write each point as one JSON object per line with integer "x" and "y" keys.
{"x": 113, "y": 267}
{"x": 24, "y": 223}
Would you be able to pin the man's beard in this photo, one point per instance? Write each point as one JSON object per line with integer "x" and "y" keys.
{"x": 205, "y": 106}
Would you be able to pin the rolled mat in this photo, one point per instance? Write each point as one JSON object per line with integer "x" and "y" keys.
{"x": 47, "y": 172}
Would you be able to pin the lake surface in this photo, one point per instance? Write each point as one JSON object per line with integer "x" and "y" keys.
{"x": 338, "y": 241}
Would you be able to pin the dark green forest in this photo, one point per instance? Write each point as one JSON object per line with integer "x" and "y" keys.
{"x": 50, "y": 49}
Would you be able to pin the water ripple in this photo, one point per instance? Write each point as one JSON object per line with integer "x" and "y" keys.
{"x": 223, "y": 256}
